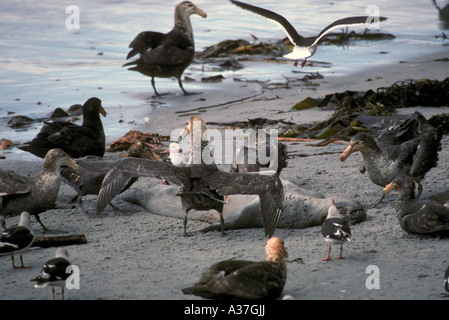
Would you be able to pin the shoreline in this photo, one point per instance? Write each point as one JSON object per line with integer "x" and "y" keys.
{"x": 138, "y": 255}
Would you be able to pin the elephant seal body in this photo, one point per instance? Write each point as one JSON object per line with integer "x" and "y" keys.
{"x": 302, "y": 208}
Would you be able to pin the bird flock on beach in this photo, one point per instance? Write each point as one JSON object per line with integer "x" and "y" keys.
{"x": 398, "y": 158}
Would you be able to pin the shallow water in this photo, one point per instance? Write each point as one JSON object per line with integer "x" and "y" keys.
{"x": 45, "y": 65}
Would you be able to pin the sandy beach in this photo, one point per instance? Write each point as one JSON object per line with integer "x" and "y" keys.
{"x": 135, "y": 254}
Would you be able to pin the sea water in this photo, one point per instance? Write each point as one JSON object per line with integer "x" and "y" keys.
{"x": 49, "y": 58}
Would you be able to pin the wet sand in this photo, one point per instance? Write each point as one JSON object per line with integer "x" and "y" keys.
{"x": 138, "y": 255}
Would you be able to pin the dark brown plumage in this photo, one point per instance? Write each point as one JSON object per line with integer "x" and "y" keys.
{"x": 34, "y": 194}
{"x": 243, "y": 279}
{"x": 77, "y": 140}
{"x": 203, "y": 186}
{"x": 166, "y": 55}
{"x": 87, "y": 179}
{"x": 410, "y": 149}
{"x": 428, "y": 216}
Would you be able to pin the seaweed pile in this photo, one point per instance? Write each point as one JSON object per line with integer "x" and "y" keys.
{"x": 226, "y": 48}
{"x": 278, "y": 48}
{"x": 363, "y": 111}
{"x": 153, "y": 140}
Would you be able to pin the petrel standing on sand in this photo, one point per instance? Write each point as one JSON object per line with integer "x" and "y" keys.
{"x": 305, "y": 47}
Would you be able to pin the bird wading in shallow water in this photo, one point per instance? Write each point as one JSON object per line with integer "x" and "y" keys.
{"x": 203, "y": 186}
{"x": 335, "y": 230}
{"x": 166, "y": 55}
{"x": 243, "y": 279}
{"x": 305, "y": 47}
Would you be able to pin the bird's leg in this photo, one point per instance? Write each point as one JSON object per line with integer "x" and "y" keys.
{"x": 116, "y": 209}
{"x": 222, "y": 221}
{"x": 304, "y": 63}
{"x": 21, "y": 262}
{"x": 328, "y": 254}
{"x": 53, "y": 291}
{"x": 12, "y": 259}
{"x": 295, "y": 64}
{"x": 44, "y": 228}
{"x": 182, "y": 88}
{"x": 22, "y": 266}
{"x": 62, "y": 293}
{"x": 80, "y": 205}
{"x": 154, "y": 88}
{"x": 341, "y": 252}
{"x": 2, "y": 222}
{"x": 185, "y": 223}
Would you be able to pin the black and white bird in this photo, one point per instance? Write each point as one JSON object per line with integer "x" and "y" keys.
{"x": 17, "y": 239}
{"x": 305, "y": 47}
{"x": 166, "y": 55}
{"x": 54, "y": 272}
{"x": 335, "y": 230}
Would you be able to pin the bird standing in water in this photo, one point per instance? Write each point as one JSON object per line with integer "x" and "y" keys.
{"x": 166, "y": 55}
